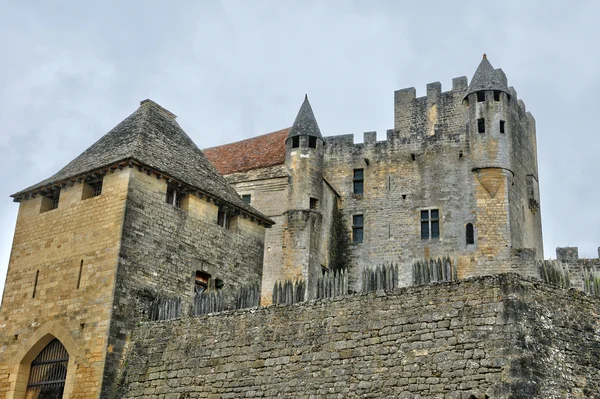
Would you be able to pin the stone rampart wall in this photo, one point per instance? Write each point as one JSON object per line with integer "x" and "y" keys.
{"x": 502, "y": 336}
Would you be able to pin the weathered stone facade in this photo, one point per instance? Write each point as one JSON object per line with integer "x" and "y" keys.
{"x": 468, "y": 153}
{"x": 491, "y": 337}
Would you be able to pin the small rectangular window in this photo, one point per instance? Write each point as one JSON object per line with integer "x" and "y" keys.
{"x": 50, "y": 201}
{"x": 430, "y": 224}
{"x": 223, "y": 219}
{"x": 357, "y": 229}
{"x": 247, "y": 198}
{"x": 496, "y": 95}
{"x": 481, "y": 125}
{"x": 201, "y": 282}
{"x": 174, "y": 196}
{"x": 502, "y": 126}
{"x": 295, "y": 141}
{"x": 312, "y": 142}
{"x": 480, "y": 96}
{"x": 92, "y": 188}
{"x": 314, "y": 204}
{"x": 359, "y": 180}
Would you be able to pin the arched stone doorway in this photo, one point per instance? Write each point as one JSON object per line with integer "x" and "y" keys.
{"x": 48, "y": 372}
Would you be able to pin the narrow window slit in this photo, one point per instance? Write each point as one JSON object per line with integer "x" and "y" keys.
{"x": 35, "y": 283}
{"x": 79, "y": 277}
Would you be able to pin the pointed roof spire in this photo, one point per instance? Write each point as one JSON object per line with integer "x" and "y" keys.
{"x": 486, "y": 78}
{"x": 151, "y": 136}
{"x": 305, "y": 123}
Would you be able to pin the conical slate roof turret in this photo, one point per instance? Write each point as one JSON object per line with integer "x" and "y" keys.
{"x": 151, "y": 137}
{"x": 486, "y": 78}
{"x": 305, "y": 123}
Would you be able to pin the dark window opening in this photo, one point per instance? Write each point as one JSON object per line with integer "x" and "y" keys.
{"x": 496, "y": 95}
{"x": 413, "y": 156}
{"x": 481, "y": 125}
{"x": 50, "y": 201}
{"x": 502, "y": 126}
{"x": 247, "y": 198}
{"x": 219, "y": 284}
{"x": 79, "y": 277}
{"x": 174, "y": 197}
{"x": 470, "y": 234}
{"x": 48, "y": 371}
{"x": 96, "y": 188}
{"x": 403, "y": 196}
{"x": 480, "y": 96}
{"x": 460, "y": 154}
{"x": 357, "y": 229}
{"x": 35, "y": 282}
{"x": 295, "y": 141}
{"x": 430, "y": 224}
{"x": 314, "y": 203}
{"x": 312, "y": 142}
{"x": 223, "y": 219}
{"x": 201, "y": 282}
{"x": 359, "y": 181}
{"x": 466, "y": 102}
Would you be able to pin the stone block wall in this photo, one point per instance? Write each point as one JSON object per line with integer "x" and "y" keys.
{"x": 162, "y": 248}
{"x": 502, "y": 336}
{"x": 79, "y": 238}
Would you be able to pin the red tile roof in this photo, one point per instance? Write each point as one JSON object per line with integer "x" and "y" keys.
{"x": 257, "y": 152}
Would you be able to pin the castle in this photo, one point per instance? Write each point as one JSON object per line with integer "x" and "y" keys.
{"x": 145, "y": 220}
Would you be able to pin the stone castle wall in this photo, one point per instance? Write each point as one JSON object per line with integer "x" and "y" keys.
{"x": 435, "y": 160}
{"x": 79, "y": 238}
{"x": 502, "y": 336}
{"x": 162, "y": 248}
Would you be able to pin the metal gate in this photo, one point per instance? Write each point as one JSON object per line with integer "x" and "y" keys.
{"x": 49, "y": 371}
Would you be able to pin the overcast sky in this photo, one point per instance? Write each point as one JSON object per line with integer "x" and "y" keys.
{"x": 71, "y": 70}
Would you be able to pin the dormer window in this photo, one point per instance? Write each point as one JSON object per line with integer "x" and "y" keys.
{"x": 312, "y": 141}
{"x": 295, "y": 141}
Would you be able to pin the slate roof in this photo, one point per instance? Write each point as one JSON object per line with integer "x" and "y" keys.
{"x": 486, "y": 78}
{"x": 254, "y": 153}
{"x": 305, "y": 123}
{"x": 152, "y": 137}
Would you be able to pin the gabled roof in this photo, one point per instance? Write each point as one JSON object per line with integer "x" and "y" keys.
{"x": 305, "y": 123}
{"x": 254, "y": 153}
{"x": 486, "y": 78}
{"x": 152, "y": 137}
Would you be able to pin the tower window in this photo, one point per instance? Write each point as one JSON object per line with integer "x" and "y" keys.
{"x": 295, "y": 141}
{"x": 312, "y": 142}
{"x": 496, "y": 95}
{"x": 37, "y": 275}
{"x": 223, "y": 219}
{"x": 174, "y": 196}
{"x": 247, "y": 198}
{"x": 50, "y": 201}
{"x": 314, "y": 203}
{"x": 480, "y": 96}
{"x": 481, "y": 125}
{"x": 357, "y": 229}
{"x": 502, "y": 126}
{"x": 470, "y": 233}
{"x": 430, "y": 224}
{"x": 359, "y": 181}
{"x": 201, "y": 282}
{"x": 92, "y": 189}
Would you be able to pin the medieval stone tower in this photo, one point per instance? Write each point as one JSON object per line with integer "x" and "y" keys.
{"x": 140, "y": 214}
{"x": 302, "y": 232}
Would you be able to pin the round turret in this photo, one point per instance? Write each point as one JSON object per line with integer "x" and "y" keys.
{"x": 304, "y": 160}
{"x": 487, "y": 100}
